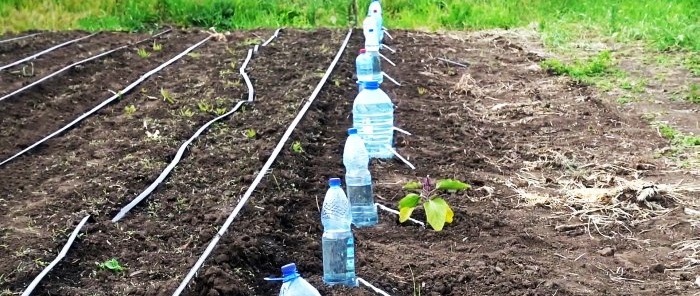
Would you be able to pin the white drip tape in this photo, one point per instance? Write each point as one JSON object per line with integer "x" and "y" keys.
{"x": 390, "y": 210}
{"x": 58, "y": 258}
{"x": 375, "y": 289}
{"x": 402, "y": 131}
{"x": 109, "y": 100}
{"x": 400, "y": 157}
{"x": 388, "y": 60}
{"x": 389, "y": 48}
{"x": 386, "y": 32}
{"x": 251, "y": 90}
{"x": 277, "y": 32}
{"x": 391, "y": 79}
{"x": 75, "y": 64}
{"x": 46, "y": 51}
{"x": 263, "y": 171}
{"x": 19, "y": 38}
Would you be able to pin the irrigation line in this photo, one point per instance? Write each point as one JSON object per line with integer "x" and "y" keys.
{"x": 375, "y": 289}
{"x": 183, "y": 147}
{"x": 251, "y": 90}
{"x": 272, "y": 37}
{"x": 109, "y": 100}
{"x": 58, "y": 258}
{"x": 262, "y": 172}
{"x": 19, "y": 38}
{"x": 46, "y": 51}
{"x": 78, "y": 63}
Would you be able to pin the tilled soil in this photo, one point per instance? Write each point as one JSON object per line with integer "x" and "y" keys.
{"x": 500, "y": 124}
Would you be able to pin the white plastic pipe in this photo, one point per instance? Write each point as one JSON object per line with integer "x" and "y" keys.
{"x": 46, "y": 51}
{"x": 391, "y": 79}
{"x": 19, "y": 38}
{"x": 390, "y": 210}
{"x": 387, "y": 59}
{"x": 263, "y": 171}
{"x": 58, "y": 258}
{"x": 389, "y": 48}
{"x": 109, "y": 100}
{"x": 375, "y": 289}
{"x": 47, "y": 77}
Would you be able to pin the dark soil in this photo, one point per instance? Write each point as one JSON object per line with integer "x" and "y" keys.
{"x": 500, "y": 124}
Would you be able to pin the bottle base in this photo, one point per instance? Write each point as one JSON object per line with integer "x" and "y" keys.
{"x": 340, "y": 282}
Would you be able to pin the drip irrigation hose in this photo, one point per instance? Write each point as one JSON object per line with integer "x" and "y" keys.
{"x": 264, "y": 169}
{"x": 58, "y": 258}
{"x": 78, "y": 63}
{"x": 46, "y": 51}
{"x": 183, "y": 147}
{"x": 109, "y": 100}
{"x": 375, "y": 289}
{"x": 19, "y": 38}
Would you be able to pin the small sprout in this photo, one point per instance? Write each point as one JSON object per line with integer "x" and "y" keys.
{"x": 296, "y": 147}
{"x": 437, "y": 211}
{"x": 112, "y": 265}
{"x": 336, "y": 82}
{"x": 186, "y": 112}
{"x": 194, "y": 55}
{"x": 250, "y": 133}
{"x": 422, "y": 90}
{"x": 167, "y": 96}
{"x": 129, "y": 110}
{"x": 220, "y": 111}
{"x": 143, "y": 53}
{"x": 157, "y": 46}
{"x": 205, "y": 107}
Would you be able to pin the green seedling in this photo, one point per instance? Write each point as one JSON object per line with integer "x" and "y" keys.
{"x": 167, "y": 96}
{"x": 422, "y": 90}
{"x": 194, "y": 55}
{"x": 143, "y": 53}
{"x": 296, "y": 147}
{"x": 157, "y": 46}
{"x": 437, "y": 211}
{"x": 186, "y": 112}
{"x": 205, "y": 107}
{"x": 220, "y": 111}
{"x": 250, "y": 133}
{"x": 129, "y": 110}
{"x": 111, "y": 265}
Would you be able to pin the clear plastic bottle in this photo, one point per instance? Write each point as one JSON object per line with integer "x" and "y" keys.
{"x": 337, "y": 242}
{"x": 369, "y": 28}
{"x": 367, "y": 67}
{"x": 293, "y": 284}
{"x": 373, "y": 117}
{"x": 375, "y": 10}
{"x": 358, "y": 181}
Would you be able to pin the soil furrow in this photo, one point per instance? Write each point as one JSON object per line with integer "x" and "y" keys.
{"x": 16, "y": 50}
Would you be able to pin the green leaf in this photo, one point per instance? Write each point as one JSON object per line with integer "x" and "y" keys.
{"x": 451, "y": 185}
{"x": 405, "y": 213}
{"x": 409, "y": 201}
{"x": 450, "y": 214}
{"x": 436, "y": 212}
{"x": 413, "y": 185}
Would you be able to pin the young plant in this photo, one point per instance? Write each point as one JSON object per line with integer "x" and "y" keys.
{"x": 186, "y": 112}
{"x": 220, "y": 111}
{"x": 205, "y": 107}
{"x": 112, "y": 265}
{"x": 167, "y": 96}
{"x": 437, "y": 211}
{"x": 296, "y": 147}
{"x": 143, "y": 53}
{"x": 250, "y": 133}
{"x": 157, "y": 46}
{"x": 129, "y": 110}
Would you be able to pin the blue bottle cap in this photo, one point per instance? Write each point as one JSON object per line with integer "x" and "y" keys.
{"x": 289, "y": 269}
{"x": 334, "y": 182}
{"x": 352, "y": 131}
{"x": 371, "y": 84}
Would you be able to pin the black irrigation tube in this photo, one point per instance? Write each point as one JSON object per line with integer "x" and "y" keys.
{"x": 263, "y": 171}
{"x": 109, "y": 100}
{"x": 19, "y": 38}
{"x": 184, "y": 145}
{"x": 58, "y": 258}
{"x": 78, "y": 63}
{"x": 46, "y": 51}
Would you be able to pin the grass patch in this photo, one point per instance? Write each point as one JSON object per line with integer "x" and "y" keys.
{"x": 585, "y": 71}
{"x": 677, "y": 138}
{"x": 664, "y": 24}
{"x": 694, "y": 93}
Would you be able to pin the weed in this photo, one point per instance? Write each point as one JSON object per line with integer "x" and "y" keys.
{"x": 111, "y": 265}
{"x": 143, "y": 53}
{"x": 624, "y": 100}
{"x": 157, "y": 46}
{"x": 296, "y": 147}
{"x": 582, "y": 71}
{"x": 250, "y": 133}
{"x": 194, "y": 55}
{"x": 694, "y": 93}
{"x": 422, "y": 90}
{"x": 167, "y": 96}
{"x": 186, "y": 112}
{"x": 437, "y": 211}
{"x": 220, "y": 111}
{"x": 633, "y": 86}
{"x": 205, "y": 106}
{"x": 129, "y": 110}
{"x": 692, "y": 63}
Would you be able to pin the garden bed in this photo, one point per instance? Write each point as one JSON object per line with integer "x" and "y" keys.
{"x": 500, "y": 124}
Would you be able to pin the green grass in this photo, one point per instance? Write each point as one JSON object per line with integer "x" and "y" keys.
{"x": 594, "y": 70}
{"x": 663, "y": 24}
{"x": 694, "y": 94}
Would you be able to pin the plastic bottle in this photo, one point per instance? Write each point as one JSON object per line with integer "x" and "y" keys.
{"x": 367, "y": 67}
{"x": 337, "y": 242}
{"x": 293, "y": 284}
{"x": 375, "y": 10}
{"x": 369, "y": 27}
{"x": 358, "y": 181}
{"x": 373, "y": 117}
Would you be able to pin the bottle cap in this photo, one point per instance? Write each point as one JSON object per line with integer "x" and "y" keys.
{"x": 334, "y": 182}
{"x": 362, "y": 50}
{"x": 289, "y": 269}
{"x": 371, "y": 84}
{"x": 352, "y": 131}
